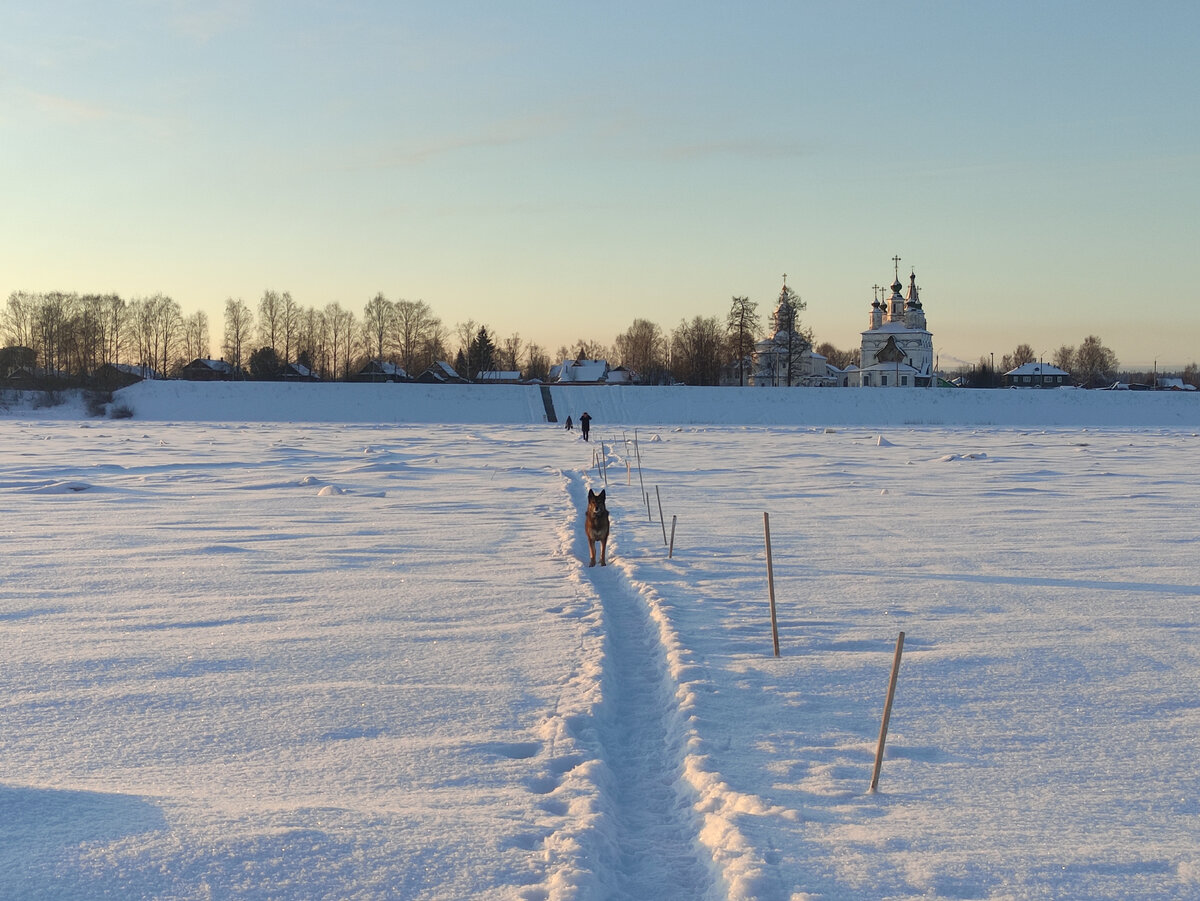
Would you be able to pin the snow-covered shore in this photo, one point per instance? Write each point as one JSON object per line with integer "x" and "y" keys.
{"x": 180, "y": 401}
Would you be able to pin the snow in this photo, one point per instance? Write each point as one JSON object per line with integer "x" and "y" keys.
{"x": 329, "y": 641}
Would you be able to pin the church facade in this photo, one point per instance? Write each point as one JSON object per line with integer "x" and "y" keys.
{"x": 897, "y": 347}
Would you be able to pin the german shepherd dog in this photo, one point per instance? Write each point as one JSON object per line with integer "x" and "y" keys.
{"x": 595, "y": 526}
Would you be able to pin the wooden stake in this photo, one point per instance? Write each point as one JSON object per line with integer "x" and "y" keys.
{"x": 641, "y": 484}
{"x": 771, "y": 582}
{"x": 661, "y": 521}
{"x": 887, "y": 713}
{"x": 671, "y": 546}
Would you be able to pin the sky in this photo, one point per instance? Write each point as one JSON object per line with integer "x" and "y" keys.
{"x": 559, "y": 170}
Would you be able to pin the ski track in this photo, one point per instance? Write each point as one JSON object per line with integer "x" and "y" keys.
{"x": 651, "y": 807}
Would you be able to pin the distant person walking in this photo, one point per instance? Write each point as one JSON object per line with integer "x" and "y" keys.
{"x": 569, "y": 425}
{"x": 585, "y": 425}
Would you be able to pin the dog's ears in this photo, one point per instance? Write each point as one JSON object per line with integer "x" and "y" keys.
{"x": 591, "y": 494}
{"x": 599, "y": 497}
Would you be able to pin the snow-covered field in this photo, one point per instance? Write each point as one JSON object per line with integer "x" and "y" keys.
{"x": 334, "y": 659}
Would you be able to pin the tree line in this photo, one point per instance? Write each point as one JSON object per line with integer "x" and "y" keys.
{"x": 70, "y": 336}
{"x": 1091, "y": 364}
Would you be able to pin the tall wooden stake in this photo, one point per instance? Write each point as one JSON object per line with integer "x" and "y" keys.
{"x": 671, "y": 546}
{"x": 641, "y": 484}
{"x": 771, "y": 581}
{"x": 661, "y": 521}
{"x": 887, "y": 713}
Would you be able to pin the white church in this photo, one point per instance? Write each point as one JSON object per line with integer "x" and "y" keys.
{"x": 786, "y": 358}
{"x": 897, "y": 348}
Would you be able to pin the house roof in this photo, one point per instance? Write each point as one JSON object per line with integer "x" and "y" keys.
{"x": 1041, "y": 369}
{"x": 214, "y": 365}
{"x": 580, "y": 371}
{"x": 384, "y": 368}
{"x": 498, "y": 375}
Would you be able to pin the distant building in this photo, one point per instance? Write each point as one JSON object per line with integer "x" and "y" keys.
{"x": 580, "y": 372}
{"x": 298, "y": 372}
{"x": 499, "y": 376}
{"x": 786, "y": 357}
{"x": 619, "y": 375}
{"x": 202, "y": 370}
{"x": 381, "y": 371}
{"x": 441, "y": 373}
{"x": 113, "y": 376}
{"x": 897, "y": 348}
{"x": 1037, "y": 375}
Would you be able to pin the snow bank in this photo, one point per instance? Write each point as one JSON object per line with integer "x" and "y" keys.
{"x": 631, "y": 406}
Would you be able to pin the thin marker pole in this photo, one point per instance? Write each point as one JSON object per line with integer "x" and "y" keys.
{"x": 641, "y": 484}
{"x": 887, "y": 713}
{"x": 661, "y": 521}
{"x": 771, "y": 581}
{"x": 671, "y": 546}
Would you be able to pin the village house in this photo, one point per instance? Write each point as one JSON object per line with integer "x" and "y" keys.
{"x": 580, "y": 372}
{"x": 381, "y": 371}
{"x": 1037, "y": 375}
{"x": 202, "y": 370}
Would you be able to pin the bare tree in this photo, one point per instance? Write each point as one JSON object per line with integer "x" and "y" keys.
{"x": 642, "y": 349}
{"x": 1019, "y": 357}
{"x": 696, "y": 351}
{"x": 584, "y": 349}
{"x": 377, "y": 324}
{"x": 837, "y": 357}
{"x": 289, "y": 323}
{"x": 433, "y": 346}
{"x": 18, "y": 319}
{"x": 1095, "y": 364}
{"x": 1064, "y": 358}
{"x": 538, "y": 365}
{"x": 157, "y": 323}
{"x": 413, "y": 324}
{"x": 464, "y": 334}
{"x": 239, "y": 325}
{"x": 742, "y": 324}
{"x": 270, "y": 320}
{"x": 342, "y": 331}
{"x": 115, "y": 314}
{"x": 509, "y": 352}
{"x": 310, "y": 351}
{"x": 195, "y": 336}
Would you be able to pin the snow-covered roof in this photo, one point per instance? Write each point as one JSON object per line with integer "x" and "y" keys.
{"x": 580, "y": 371}
{"x": 1041, "y": 369}
{"x": 890, "y": 367}
{"x": 385, "y": 367}
{"x": 202, "y": 363}
{"x": 1174, "y": 383}
{"x": 498, "y": 375}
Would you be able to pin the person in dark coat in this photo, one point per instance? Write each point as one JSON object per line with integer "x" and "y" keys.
{"x": 569, "y": 425}
{"x": 585, "y": 424}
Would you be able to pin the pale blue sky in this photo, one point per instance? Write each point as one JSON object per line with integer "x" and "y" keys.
{"x": 559, "y": 169}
